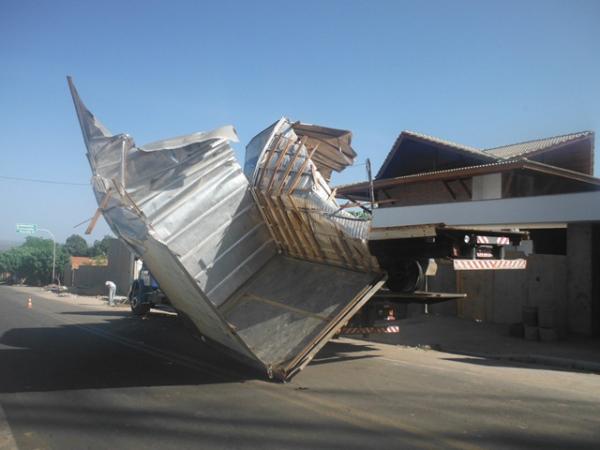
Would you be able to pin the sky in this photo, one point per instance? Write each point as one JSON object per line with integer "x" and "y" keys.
{"x": 480, "y": 73}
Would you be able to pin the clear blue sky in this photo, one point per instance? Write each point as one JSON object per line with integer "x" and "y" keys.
{"x": 479, "y": 73}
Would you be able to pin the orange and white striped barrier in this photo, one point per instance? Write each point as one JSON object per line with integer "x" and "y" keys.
{"x": 370, "y": 330}
{"x": 489, "y": 264}
{"x": 494, "y": 240}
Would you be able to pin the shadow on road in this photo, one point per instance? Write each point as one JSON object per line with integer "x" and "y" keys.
{"x": 120, "y": 350}
{"x": 112, "y": 353}
{"x": 336, "y": 351}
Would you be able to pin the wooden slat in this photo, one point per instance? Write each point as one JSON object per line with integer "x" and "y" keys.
{"x": 291, "y": 165}
{"x": 299, "y": 235}
{"x": 331, "y": 194}
{"x": 277, "y": 166}
{"x": 282, "y": 226}
{"x": 98, "y": 212}
{"x": 346, "y": 249}
{"x": 261, "y": 208}
{"x": 284, "y": 244}
{"x": 274, "y": 145}
{"x": 290, "y": 226}
{"x": 340, "y": 255}
{"x": 313, "y": 236}
{"x": 302, "y": 227}
{"x": 284, "y": 306}
{"x": 307, "y": 229}
{"x": 298, "y": 176}
{"x": 365, "y": 258}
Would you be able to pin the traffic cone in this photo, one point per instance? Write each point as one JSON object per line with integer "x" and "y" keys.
{"x": 29, "y": 305}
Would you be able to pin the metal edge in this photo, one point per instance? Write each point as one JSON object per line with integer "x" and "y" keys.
{"x": 284, "y": 373}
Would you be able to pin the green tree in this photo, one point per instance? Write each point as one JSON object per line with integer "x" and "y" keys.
{"x": 75, "y": 245}
{"x": 32, "y": 261}
{"x": 360, "y": 214}
{"x": 100, "y": 248}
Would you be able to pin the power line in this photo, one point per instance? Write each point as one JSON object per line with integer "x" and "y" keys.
{"x": 37, "y": 180}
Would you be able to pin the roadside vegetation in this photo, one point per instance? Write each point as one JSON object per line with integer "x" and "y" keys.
{"x": 31, "y": 262}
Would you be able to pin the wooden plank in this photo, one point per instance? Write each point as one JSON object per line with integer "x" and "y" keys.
{"x": 276, "y": 227}
{"x": 291, "y": 165}
{"x": 277, "y": 304}
{"x": 364, "y": 258}
{"x": 274, "y": 145}
{"x": 304, "y": 228}
{"x": 261, "y": 210}
{"x": 340, "y": 255}
{"x": 332, "y": 194}
{"x": 313, "y": 235}
{"x": 357, "y": 202}
{"x": 346, "y": 249}
{"x": 98, "y": 212}
{"x": 292, "y": 229}
{"x": 277, "y": 166}
{"x": 298, "y": 176}
{"x": 282, "y": 226}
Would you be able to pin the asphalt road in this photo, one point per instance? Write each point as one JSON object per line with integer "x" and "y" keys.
{"x": 81, "y": 378}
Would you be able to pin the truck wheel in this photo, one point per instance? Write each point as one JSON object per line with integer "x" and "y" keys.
{"x": 135, "y": 300}
{"x": 406, "y": 277}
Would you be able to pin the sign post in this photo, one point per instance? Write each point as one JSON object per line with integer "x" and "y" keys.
{"x": 26, "y": 228}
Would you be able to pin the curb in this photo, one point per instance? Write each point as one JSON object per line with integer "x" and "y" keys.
{"x": 553, "y": 361}
{"x": 578, "y": 364}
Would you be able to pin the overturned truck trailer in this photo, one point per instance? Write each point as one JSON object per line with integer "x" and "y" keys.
{"x": 269, "y": 268}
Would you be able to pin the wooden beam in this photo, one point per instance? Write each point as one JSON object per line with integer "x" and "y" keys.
{"x": 291, "y": 165}
{"x": 277, "y": 166}
{"x": 356, "y": 201}
{"x": 274, "y": 145}
{"x": 293, "y": 230}
{"x": 298, "y": 176}
{"x": 306, "y": 229}
{"x": 103, "y": 204}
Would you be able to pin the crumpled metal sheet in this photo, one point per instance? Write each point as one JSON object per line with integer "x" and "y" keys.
{"x": 298, "y": 203}
{"x": 334, "y": 150}
{"x": 185, "y": 206}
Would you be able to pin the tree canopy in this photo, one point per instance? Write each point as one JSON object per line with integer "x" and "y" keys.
{"x": 75, "y": 245}
{"x": 32, "y": 261}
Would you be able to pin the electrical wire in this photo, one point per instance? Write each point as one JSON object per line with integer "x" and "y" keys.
{"x": 37, "y": 180}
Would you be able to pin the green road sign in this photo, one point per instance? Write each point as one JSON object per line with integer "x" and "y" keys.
{"x": 26, "y": 228}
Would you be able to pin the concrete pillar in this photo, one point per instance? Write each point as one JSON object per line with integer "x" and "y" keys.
{"x": 583, "y": 302}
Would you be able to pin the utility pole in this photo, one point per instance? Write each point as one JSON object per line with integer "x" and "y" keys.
{"x": 371, "y": 190}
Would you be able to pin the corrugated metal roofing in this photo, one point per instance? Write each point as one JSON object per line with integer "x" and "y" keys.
{"x": 333, "y": 147}
{"x": 446, "y": 143}
{"x": 432, "y": 140}
{"x": 489, "y": 154}
{"x": 498, "y": 166}
{"x": 527, "y": 147}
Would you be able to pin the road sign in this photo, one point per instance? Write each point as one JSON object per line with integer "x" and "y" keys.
{"x": 26, "y": 228}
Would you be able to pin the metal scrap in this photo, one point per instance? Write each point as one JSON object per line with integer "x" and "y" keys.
{"x": 269, "y": 269}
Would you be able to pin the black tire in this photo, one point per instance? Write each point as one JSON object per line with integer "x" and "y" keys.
{"x": 135, "y": 300}
{"x": 406, "y": 276}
